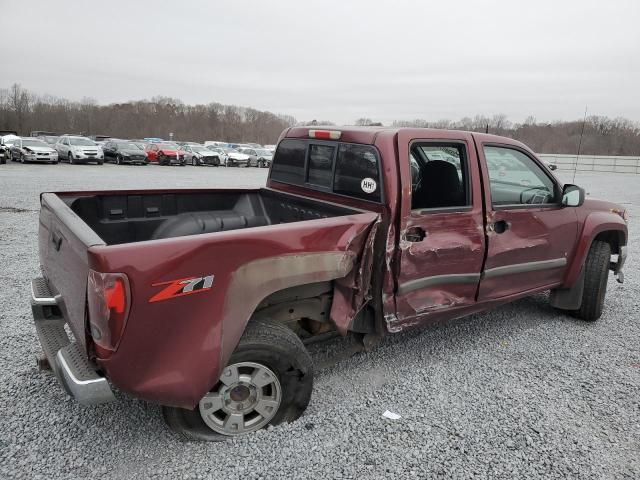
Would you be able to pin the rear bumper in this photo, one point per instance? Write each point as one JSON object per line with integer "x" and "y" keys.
{"x": 67, "y": 359}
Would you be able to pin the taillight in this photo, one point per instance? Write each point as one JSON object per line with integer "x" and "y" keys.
{"x": 325, "y": 134}
{"x": 109, "y": 298}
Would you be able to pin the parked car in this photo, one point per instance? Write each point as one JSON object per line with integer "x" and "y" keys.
{"x": 200, "y": 300}
{"x": 235, "y": 158}
{"x": 43, "y": 133}
{"x": 77, "y": 149}
{"x": 7, "y": 138}
{"x": 166, "y": 153}
{"x": 200, "y": 155}
{"x": 222, "y": 155}
{"x": 271, "y": 148}
{"x": 50, "y": 139}
{"x": 100, "y": 140}
{"x": 122, "y": 151}
{"x": 29, "y": 149}
{"x": 215, "y": 144}
{"x": 258, "y": 157}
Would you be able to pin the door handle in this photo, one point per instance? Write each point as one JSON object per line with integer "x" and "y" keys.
{"x": 501, "y": 226}
{"x": 414, "y": 234}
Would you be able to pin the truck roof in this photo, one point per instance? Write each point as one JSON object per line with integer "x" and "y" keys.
{"x": 367, "y": 135}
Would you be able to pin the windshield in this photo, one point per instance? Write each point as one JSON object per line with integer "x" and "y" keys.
{"x": 229, "y": 150}
{"x": 51, "y": 139}
{"x": 198, "y": 148}
{"x": 127, "y": 146}
{"x": 168, "y": 146}
{"x": 262, "y": 151}
{"x": 34, "y": 143}
{"x": 81, "y": 142}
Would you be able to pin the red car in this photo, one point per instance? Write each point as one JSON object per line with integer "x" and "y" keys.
{"x": 166, "y": 153}
{"x": 202, "y": 300}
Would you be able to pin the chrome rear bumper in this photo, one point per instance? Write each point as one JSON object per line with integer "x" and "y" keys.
{"x": 67, "y": 359}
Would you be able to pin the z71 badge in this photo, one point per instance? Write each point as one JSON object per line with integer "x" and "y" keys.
{"x": 182, "y": 287}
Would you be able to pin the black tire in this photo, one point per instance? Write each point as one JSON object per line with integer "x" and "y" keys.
{"x": 70, "y": 158}
{"x": 161, "y": 160}
{"x": 596, "y": 274}
{"x": 118, "y": 160}
{"x": 100, "y": 162}
{"x": 278, "y": 348}
{"x": 22, "y": 158}
{"x": 194, "y": 161}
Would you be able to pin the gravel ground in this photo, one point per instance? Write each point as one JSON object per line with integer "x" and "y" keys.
{"x": 521, "y": 391}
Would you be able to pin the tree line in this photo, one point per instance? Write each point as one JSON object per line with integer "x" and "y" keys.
{"x": 595, "y": 135}
{"x": 26, "y": 111}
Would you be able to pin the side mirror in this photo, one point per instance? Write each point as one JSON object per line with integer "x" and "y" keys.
{"x": 572, "y": 195}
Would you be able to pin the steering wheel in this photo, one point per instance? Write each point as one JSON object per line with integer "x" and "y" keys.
{"x": 542, "y": 196}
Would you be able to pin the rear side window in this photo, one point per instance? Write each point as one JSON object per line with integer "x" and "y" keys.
{"x": 357, "y": 173}
{"x": 343, "y": 168}
{"x": 289, "y": 167}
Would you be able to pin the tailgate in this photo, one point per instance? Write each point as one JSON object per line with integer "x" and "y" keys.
{"x": 64, "y": 239}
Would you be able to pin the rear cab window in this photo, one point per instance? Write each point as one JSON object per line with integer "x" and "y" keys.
{"x": 342, "y": 168}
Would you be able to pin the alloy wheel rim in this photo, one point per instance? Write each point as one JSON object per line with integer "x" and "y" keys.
{"x": 246, "y": 398}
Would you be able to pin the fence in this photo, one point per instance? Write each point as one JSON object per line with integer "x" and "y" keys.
{"x": 593, "y": 163}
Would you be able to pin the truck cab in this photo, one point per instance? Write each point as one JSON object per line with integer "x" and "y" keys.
{"x": 359, "y": 231}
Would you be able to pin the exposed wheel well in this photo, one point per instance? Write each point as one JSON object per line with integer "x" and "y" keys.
{"x": 614, "y": 238}
{"x": 306, "y": 309}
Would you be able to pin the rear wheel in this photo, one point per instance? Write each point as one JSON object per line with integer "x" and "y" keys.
{"x": 268, "y": 381}
{"x": 70, "y": 158}
{"x": 596, "y": 274}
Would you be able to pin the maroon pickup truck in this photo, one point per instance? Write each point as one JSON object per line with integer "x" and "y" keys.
{"x": 202, "y": 301}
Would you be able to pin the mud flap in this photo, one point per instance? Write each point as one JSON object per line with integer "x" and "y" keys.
{"x": 569, "y": 298}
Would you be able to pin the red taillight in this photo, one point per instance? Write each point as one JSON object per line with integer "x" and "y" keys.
{"x": 109, "y": 298}
{"x": 325, "y": 134}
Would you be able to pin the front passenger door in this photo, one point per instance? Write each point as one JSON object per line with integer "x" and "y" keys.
{"x": 530, "y": 235}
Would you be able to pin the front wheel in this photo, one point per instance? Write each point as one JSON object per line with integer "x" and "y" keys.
{"x": 596, "y": 274}
{"x": 118, "y": 160}
{"x": 268, "y": 381}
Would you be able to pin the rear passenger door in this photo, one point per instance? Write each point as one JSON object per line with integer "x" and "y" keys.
{"x": 530, "y": 234}
{"x": 442, "y": 241}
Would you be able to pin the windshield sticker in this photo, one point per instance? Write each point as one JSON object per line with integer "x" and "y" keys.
{"x": 368, "y": 185}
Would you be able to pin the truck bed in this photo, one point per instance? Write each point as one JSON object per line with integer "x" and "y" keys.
{"x": 119, "y": 218}
{"x": 250, "y": 243}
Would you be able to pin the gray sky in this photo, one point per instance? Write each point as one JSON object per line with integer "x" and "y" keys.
{"x": 335, "y": 60}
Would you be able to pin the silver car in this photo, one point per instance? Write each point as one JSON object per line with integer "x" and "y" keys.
{"x": 200, "y": 155}
{"x": 29, "y": 149}
{"x": 258, "y": 157}
{"x": 79, "y": 150}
